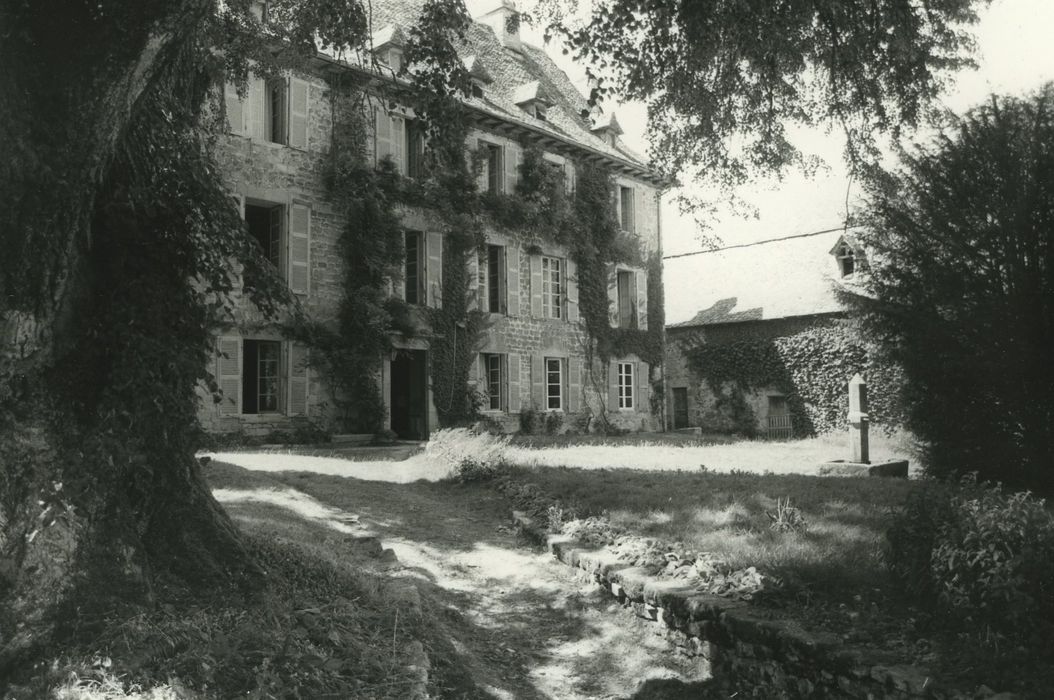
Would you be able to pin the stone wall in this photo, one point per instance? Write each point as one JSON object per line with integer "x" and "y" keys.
{"x": 746, "y": 653}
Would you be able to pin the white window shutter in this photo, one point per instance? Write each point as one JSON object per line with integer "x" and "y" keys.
{"x": 569, "y": 176}
{"x": 538, "y": 395}
{"x": 642, "y": 299}
{"x": 274, "y": 241}
{"x": 574, "y": 384}
{"x": 382, "y": 134}
{"x": 299, "y": 92}
{"x": 512, "y": 157}
{"x": 298, "y": 379}
{"x": 398, "y": 141}
{"x": 477, "y": 286}
{"x": 639, "y": 195}
{"x": 572, "y": 291}
{"x": 642, "y": 401}
{"x": 229, "y": 374}
{"x": 257, "y": 108}
{"x": 613, "y": 386}
{"x": 536, "y": 286}
{"x": 613, "y": 311}
{"x": 235, "y": 109}
{"x": 513, "y": 375}
{"x": 299, "y": 248}
{"x": 512, "y": 279}
{"x": 434, "y": 270}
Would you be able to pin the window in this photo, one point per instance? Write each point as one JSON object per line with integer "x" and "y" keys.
{"x": 264, "y": 222}
{"x": 554, "y": 384}
{"x": 492, "y": 288}
{"x": 414, "y": 149}
{"x": 477, "y": 89}
{"x": 846, "y": 257}
{"x": 395, "y": 60}
{"x": 552, "y": 288}
{"x": 627, "y": 299}
{"x": 261, "y": 376}
{"x": 275, "y": 110}
{"x": 494, "y": 381}
{"x": 492, "y": 168}
{"x": 626, "y": 208}
{"x": 779, "y": 422}
{"x": 413, "y": 276}
{"x": 625, "y": 385}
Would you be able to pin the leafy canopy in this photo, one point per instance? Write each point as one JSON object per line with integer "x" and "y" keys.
{"x": 726, "y": 81}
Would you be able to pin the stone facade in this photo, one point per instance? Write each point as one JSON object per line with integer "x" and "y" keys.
{"x": 699, "y": 398}
{"x": 267, "y": 381}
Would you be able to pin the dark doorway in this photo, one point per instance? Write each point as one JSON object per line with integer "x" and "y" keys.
{"x": 409, "y": 398}
{"x": 680, "y": 407}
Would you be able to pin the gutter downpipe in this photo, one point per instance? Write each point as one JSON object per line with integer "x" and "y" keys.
{"x": 662, "y": 280}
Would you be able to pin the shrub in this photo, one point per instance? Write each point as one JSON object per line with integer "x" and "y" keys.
{"x": 467, "y": 455}
{"x": 983, "y": 556}
{"x": 787, "y": 518}
{"x": 530, "y": 419}
{"x": 553, "y": 423}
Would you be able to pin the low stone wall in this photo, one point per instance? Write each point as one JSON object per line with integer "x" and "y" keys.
{"x": 745, "y": 652}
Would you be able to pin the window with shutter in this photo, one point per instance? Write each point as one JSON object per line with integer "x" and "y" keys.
{"x": 554, "y": 384}
{"x": 276, "y": 110}
{"x": 642, "y": 299}
{"x": 235, "y": 110}
{"x": 626, "y": 218}
{"x": 265, "y": 222}
{"x": 434, "y": 269}
{"x": 229, "y": 375}
{"x": 413, "y": 267}
{"x": 625, "y": 385}
{"x": 261, "y": 376}
{"x": 298, "y": 379}
{"x": 627, "y": 299}
{"x": 552, "y": 287}
{"x": 299, "y": 95}
{"x": 511, "y": 164}
{"x": 382, "y": 131}
{"x": 299, "y": 249}
{"x": 398, "y": 143}
{"x": 512, "y": 280}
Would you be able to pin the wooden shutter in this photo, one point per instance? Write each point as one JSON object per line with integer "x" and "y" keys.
{"x": 642, "y": 299}
{"x": 274, "y": 240}
{"x": 512, "y": 279}
{"x": 513, "y": 375}
{"x": 299, "y": 248}
{"x": 538, "y": 382}
{"x": 613, "y": 386}
{"x": 229, "y": 374}
{"x": 298, "y": 381}
{"x": 574, "y": 384}
{"x": 257, "y": 108}
{"x": 476, "y": 285}
{"x": 642, "y": 401}
{"x": 569, "y": 176}
{"x": 572, "y": 291}
{"x": 298, "y": 111}
{"x": 235, "y": 109}
{"x": 613, "y": 308}
{"x": 481, "y": 176}
{"x": 398, "y": 141}
{"x": 434, "y": 270}
{"x": 382, "y": 131}
{"x": 536, "y": 286}
{"x": 512, "y": 157}
{"x": 639, "y": 194}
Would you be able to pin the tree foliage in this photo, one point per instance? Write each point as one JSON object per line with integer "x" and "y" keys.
{"x": 726, "y": 81}
{"x": 963, "y": 284}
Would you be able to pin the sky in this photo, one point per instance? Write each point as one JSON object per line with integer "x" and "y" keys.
{"x": 1015, "y": 54}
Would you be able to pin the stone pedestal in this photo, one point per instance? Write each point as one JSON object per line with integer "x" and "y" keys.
{"x": 859, "y": 463}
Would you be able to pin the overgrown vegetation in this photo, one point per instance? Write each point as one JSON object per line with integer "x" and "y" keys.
{"x": 466, "y": 454}
{"x": 962, "y": 289}
{"x": 811, "y": 367}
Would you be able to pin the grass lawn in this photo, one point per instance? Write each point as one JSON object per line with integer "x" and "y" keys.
{"x": 839, "y": 553}
{"x": 671, "y": 452}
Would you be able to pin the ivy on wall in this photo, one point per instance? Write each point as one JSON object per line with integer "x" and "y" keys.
{"x": 811, "y": 367}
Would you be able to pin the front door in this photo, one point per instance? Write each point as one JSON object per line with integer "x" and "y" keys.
{"x": 409, "y": 398}
{"x": 680, "y": 407}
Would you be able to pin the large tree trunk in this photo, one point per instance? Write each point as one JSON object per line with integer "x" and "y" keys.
{"x": 101, "y": 343}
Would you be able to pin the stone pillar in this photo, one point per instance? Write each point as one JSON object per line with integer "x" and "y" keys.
{"x": 858, "y": 421}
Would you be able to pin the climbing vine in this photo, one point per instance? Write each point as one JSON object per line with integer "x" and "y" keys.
{"x": 811, "y": 368}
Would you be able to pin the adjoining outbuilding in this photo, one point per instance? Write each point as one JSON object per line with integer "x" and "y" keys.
{"x": 759, "y": 342}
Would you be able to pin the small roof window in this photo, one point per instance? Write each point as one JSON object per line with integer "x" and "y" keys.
{"x": 532, "y": 98}
{"x": 848, "y": 257}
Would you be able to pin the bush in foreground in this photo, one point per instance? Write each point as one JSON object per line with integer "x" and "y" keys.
{"x": 983, "y": 556}
{"x": 467, "y": 455}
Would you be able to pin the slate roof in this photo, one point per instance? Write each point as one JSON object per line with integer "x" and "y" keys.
{"x": 782, "y": 278}
{"x": 511, "y": 70}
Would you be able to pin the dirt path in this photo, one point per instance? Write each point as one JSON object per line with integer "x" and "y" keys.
{"x": 523, "y": 625}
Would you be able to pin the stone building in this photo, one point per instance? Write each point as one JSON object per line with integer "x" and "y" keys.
{"x": 533, "y": 353}
{"x": 759, "y": 300}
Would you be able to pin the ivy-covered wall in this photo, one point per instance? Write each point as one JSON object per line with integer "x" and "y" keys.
{"x": 731, "y": 370}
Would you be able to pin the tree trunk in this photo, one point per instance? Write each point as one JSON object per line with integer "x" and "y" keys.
{"x": 100, "y": 494}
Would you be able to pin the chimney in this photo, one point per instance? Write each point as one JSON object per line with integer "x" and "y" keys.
{"x": 502, "y": 17}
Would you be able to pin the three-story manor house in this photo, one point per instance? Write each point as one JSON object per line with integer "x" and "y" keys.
{"x": 533, "y": 352}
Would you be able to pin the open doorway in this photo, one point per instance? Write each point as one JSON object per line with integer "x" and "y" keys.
{"x": 409, "y": 394}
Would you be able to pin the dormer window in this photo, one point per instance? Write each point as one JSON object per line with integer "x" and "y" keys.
{"x": 478, "y": 74}
{"x": 845, "y": 254}
{"x": 532, "y": 98}
{"x": 477, "y": 89}
{"x": 395, "y": 60}
{"x": 388, "y": 46}
{"x": 607, "y": 128}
